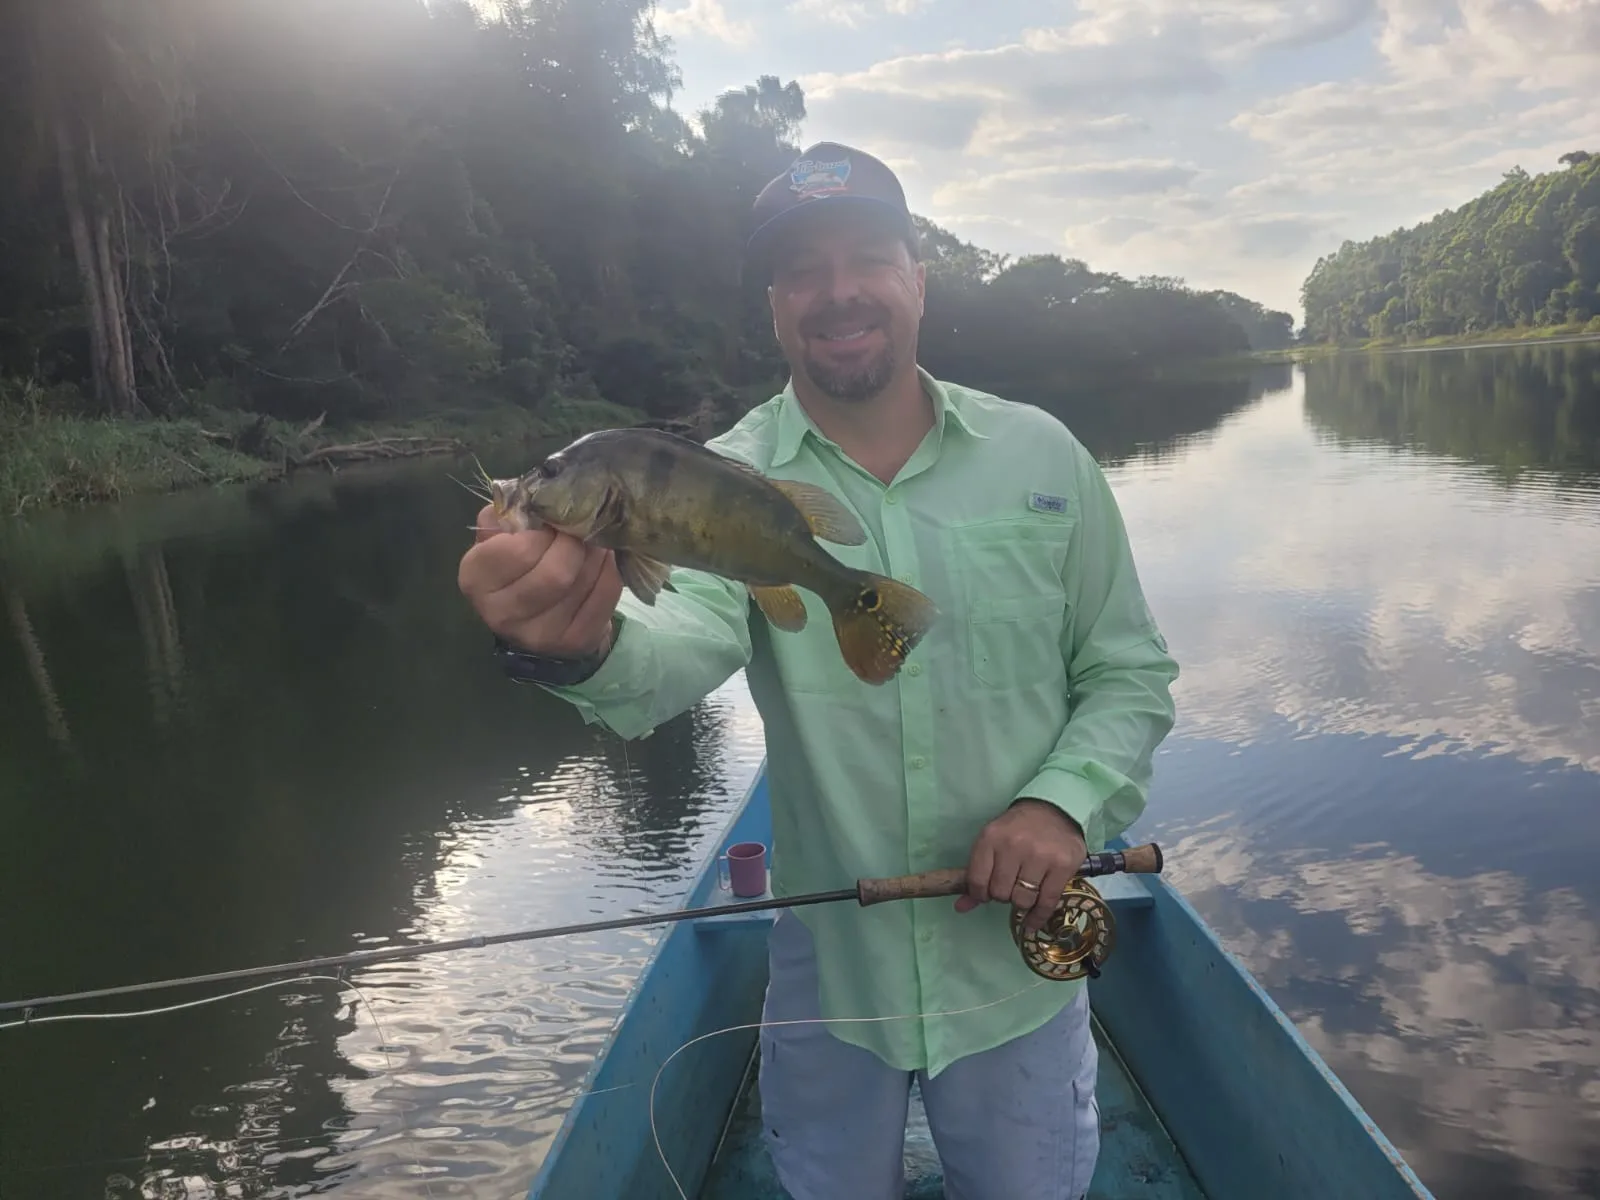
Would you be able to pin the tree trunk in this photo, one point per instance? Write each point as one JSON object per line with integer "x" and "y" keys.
{"x": 83, "y": 254}
{"x": 116, "y": 313}
{"x": 105, "y": 306}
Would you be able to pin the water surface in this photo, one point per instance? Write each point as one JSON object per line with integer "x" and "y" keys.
{"x": 261, "y": 724}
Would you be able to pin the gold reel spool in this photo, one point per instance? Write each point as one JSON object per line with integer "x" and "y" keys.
{"x": 1075, "y": 941}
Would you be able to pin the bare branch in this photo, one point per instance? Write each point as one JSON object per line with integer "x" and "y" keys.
{"x": 338, "y": 285}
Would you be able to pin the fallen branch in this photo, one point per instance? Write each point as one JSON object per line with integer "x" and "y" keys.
{"x": 384, "y": 447}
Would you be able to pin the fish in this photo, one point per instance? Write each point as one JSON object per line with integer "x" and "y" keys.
{"x": 659, "y": 500}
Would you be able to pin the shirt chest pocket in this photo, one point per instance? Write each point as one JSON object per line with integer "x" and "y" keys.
{"x": 1011, "y": 577}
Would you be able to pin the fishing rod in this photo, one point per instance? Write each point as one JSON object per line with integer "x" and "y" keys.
{"x": 1061, "y": 950}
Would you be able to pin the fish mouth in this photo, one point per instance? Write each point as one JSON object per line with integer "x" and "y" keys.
{"x": 512, "y": 502}
{"x": 500, "y": 496}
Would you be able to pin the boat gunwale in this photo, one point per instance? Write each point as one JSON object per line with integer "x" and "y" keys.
{"x": 705, "y": 881}
{"x": 1286, "y": 1025}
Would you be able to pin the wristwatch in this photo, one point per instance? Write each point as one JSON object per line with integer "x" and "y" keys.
{"x": 526, "y": 667}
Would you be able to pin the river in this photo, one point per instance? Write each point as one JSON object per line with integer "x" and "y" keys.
{"x": 258, "y": 724}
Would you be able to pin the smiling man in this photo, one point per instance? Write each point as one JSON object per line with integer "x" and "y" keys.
{"x": 1018, "y": 736}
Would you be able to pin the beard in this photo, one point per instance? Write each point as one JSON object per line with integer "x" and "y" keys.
{"x": 854, "y": 383}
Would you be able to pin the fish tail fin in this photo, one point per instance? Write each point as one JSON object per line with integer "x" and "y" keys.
{"x": 878, "y": 622}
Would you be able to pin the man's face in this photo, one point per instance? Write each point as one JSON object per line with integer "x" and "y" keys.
{"x": 846, "y": 301}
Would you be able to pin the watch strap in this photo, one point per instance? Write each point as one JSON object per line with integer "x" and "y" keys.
{"x": 523, "y": 666}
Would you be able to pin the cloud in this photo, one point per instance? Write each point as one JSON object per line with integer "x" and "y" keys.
{"x": 995, "y": 137}
{"x": 1041, "y": 75}
{"x": 706, "y": 18}
{"x": 1283, "y": 127}
{"x": 853, "y": 14}
{"x": 1101, "y": 180}
{"x": 1234, "y": 29}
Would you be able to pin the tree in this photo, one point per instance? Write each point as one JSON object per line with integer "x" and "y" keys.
{"x": 1522, "y": 253}
{"x": 107, "y": 89}
{"x": 352, "y": 210}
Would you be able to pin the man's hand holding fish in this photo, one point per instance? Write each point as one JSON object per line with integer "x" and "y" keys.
{"x": 932, "y": 595}
{"x": 542, "y": 591}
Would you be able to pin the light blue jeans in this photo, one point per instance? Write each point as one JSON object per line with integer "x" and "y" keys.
{"x": 1018, "y": 1122}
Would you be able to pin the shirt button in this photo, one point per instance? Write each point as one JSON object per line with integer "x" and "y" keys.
{"x": 891, "y": 498}
{"x": 925, "y": 936}
{"x": 914, "y": 669}
{"x": 918, "y": 763}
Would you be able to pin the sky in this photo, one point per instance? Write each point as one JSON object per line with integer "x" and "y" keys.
{"x": 1229, "y": 142}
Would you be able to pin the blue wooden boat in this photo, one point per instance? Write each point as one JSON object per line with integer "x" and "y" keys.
{"x": 1207, "y": 1091}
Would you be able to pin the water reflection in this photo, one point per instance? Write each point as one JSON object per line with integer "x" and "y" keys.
{"x": 1158, "y": 419}
{"x": 1455, "y": 991}
{"x": 1515, "y": 410}
{"x": 1384, "y": 587}
{"x": 287, "y": 738}
{"x": 259, "y": 724}
{"x": 1352, "y": 590}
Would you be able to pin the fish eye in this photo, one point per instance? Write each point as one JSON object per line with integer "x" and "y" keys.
{"x": 550, "y": 467}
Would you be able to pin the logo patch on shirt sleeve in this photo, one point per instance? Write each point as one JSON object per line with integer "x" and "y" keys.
{"x": 1040, "y": 502}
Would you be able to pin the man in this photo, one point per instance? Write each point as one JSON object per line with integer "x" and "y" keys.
{"x": 1018, "y": 735}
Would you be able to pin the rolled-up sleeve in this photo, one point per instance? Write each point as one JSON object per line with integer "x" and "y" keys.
{"x": 667, "y": 657}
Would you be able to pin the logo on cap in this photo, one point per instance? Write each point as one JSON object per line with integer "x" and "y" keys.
{"x": 811, "y": 178}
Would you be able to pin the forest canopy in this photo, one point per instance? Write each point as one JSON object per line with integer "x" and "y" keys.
{"x": 1524, "y": 254}
{"x": 369, "y": 210}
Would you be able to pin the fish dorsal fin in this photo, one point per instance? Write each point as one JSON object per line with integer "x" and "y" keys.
{"x": 829, "y": 519}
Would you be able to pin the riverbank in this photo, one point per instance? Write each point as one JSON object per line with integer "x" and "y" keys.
{"x": 1483, "y": 339}
{"x": 59, "y": 461}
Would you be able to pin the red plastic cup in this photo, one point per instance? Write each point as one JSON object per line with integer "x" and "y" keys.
{"x": 743, "y": 869}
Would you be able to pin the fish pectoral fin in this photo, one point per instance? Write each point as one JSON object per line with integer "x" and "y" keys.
{"x": 644, "y": 576}
{"x": 783, "y": 606}
{"x": 829, "y": 519}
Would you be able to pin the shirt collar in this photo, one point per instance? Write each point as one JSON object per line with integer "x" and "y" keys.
{"x": 794, "y": 423}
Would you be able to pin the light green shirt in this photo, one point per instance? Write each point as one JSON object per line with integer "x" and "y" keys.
{"x": 1045, "y": 676}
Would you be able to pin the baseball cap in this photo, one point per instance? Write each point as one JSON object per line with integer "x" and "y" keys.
{"x": 826, "y": 177}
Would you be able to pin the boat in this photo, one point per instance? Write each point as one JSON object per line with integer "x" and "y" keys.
{"x": 1206, "y": 1089}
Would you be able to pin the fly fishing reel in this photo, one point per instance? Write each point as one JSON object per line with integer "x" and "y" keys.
{"x": 1075, "y": 941}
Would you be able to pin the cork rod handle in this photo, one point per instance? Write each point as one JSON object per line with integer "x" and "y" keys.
{"x": 952, "y": 881}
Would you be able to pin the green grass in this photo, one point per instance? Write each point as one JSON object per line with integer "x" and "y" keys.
{"x": 1519, "y": 333}
{"x": 56, "y": 460}
{"x": 52, "y": 460}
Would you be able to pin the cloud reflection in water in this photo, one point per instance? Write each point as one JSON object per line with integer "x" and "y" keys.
{"x": 1382, "y": 787}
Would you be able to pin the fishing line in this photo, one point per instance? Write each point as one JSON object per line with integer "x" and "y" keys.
{"x": 957, "y": 1012}
{"x": 155, "y": 1012}
{"x": 383, "y": 1044}
{"x": 383, "y": 1038}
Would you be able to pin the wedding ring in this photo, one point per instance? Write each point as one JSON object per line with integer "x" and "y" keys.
{"x": 1032, "y": 887}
